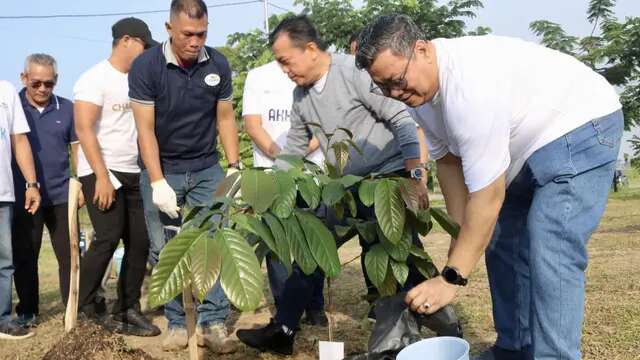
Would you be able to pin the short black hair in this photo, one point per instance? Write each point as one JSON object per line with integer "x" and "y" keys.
{"x": 354, "y": 37}
{"x": 195, "y": 9}
{"x": 300, "y": 30}
{"x": 396, "y": 32}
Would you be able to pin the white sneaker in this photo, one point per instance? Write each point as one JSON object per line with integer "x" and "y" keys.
{"x": 216, "y": 338}
{"x": 175, "y": 340}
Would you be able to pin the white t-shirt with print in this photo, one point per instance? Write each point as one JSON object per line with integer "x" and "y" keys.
{"x": 269, "y": 92}
{"x": 12, "y": 122}
{"x": 501, "y": 99}
{"x": 108, "y": 88}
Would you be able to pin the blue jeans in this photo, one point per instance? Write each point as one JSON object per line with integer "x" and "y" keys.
{"x": 193, "y": 189}
{"x": 537, "y": 258}
{"x": 6, "y": 261}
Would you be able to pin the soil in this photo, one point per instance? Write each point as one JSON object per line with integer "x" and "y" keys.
{"x": 90, "y": 341}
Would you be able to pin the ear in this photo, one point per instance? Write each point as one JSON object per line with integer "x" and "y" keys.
{"x": 167, "y": 27}
{"x": 422, "y": 47}
{"x": 313, "y": 49}
{"x": 23, "y": 78}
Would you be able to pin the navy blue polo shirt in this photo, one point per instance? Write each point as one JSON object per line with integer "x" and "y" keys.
{"x": 185, "y": 102}
{"x": 51, "y": 133}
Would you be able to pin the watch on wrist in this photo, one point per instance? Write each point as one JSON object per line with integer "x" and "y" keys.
{"x": 236, "y": 165}
{"x": 32, "y": 185}
{"x": 452, "y": 276}
{"x": 418, "y": 173}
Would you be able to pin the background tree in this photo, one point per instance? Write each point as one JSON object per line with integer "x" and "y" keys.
{"x": 612, "y": 49}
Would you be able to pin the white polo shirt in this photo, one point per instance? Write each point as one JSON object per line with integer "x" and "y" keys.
{"x": 501, "y": 99}
{"x": 12, "y": 122}
{"x": 268, "y": 92}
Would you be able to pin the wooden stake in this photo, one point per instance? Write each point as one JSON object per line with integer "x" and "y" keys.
{"x": 190, "y": 319}
{"x": 71, "y": 313}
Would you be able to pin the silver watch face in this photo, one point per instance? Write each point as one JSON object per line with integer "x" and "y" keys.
{"x": 417, "y": 173}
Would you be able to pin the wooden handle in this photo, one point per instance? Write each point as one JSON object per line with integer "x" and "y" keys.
{"x": 71, "y": 314}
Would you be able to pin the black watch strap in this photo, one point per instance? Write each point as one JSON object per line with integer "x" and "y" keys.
{"x": 452, "y": 276}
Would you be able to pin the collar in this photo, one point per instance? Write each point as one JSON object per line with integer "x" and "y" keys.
{"x": 25, "y": 101}
{"x": 171, "y": 58}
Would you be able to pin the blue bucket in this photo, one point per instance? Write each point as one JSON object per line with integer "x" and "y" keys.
{"x": 436, "y": 348}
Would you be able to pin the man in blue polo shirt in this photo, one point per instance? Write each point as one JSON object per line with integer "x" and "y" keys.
{"x": 181, "y": 98}
{"x": 50, "y": 118}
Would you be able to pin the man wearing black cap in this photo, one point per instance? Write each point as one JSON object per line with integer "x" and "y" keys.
{"x": 109, "y": 173}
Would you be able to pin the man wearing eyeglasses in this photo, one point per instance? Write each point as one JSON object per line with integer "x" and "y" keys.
{"x": 52, "y": 135}
{"x": 110, "y": 176}
{"x": 526, "y": 140}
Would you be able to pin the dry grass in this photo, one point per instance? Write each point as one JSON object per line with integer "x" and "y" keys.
{"x": 612, "y": 308}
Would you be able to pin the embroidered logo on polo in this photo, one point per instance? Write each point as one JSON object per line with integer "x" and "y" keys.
{"x": 212, "y": 79}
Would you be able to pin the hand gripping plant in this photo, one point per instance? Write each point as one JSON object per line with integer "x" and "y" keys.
{"x": 228, "y": 241}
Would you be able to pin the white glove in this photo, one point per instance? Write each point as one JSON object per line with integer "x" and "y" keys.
{"x": 165, "y": 198}
{"x": 231, "y": 171}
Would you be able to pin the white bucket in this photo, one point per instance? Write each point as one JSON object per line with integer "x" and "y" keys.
{"x": 436, "y": 348}
{"x": 117, "y": 259}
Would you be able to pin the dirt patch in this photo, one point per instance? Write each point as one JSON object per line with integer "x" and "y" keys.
{"x": 629, "y": 229}
{"x": 91, "y": 342}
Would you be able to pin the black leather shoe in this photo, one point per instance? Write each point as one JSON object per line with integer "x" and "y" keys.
{"x": 315, "y": 318}
{"x": 132, "y": 322}
{"x": 271, "y": 338}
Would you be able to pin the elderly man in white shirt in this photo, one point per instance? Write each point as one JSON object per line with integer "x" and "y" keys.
{"x": 525, "y": 139}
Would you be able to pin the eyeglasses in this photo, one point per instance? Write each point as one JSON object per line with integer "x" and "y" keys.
{"x": 36, "y": 84}
{"x": 397, "y": 84}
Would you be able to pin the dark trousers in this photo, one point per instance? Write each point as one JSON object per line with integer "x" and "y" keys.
{"x": 299, "y": 287}
{"x": 278, "y": 276}
{"x": 124, "y": 220}
{"x": 27, "y": 240}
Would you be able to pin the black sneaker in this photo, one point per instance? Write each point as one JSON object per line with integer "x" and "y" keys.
{"x": 271, "y": 338}
{"x": 371, "y": 316}
{"x": 315, "y": 318}
{"x": 132, "y": 322}
{"x": 12, "y": 331}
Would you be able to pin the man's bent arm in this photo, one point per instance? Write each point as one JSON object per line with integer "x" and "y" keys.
{"x": 228, "y": 131}
{"x": 259, "y": 136}
{"x": 86, "y": 115}
{"x": 149, "y": 152}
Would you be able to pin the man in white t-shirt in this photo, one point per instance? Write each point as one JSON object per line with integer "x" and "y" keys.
{"x": 266, "y": 110}
{"x": 525, "y": 139}
{"x": 13, "y": 139}
{"x": 110, "y": 176}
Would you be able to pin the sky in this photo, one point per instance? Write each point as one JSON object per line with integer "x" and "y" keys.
{"x": 79, "y": 43}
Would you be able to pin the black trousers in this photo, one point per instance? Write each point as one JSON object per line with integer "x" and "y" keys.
{"x": 26, "y": 241}
{"x": 124, "y": 220}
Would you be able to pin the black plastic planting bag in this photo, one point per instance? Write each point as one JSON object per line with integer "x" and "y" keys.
{"x": 397, "y": 327}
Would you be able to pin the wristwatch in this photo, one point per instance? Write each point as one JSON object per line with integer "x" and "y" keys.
{"x": 452, "y": 276}
{"x": 32, "y": 185}
{"x": 418, "y": 173}
{"x": 236, "y": 165}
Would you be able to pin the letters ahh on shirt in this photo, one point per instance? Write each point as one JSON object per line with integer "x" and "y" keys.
{"x": 121, "y": 107}
{"x": 279, "y": 115}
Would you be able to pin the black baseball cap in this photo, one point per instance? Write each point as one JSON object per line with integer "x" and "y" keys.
{"x": 133, "y": 27}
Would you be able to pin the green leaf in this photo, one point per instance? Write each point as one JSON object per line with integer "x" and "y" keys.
{"x": 333, "y": 192}
{"x": 367, "y": 191}
{"x": 240, "y": 274}
{"x": 256, "y": 227}
{"x": 390, "y": 210}
{"x": 321, "y": 242}
{"x": 299, "y": 246}
{"x": 399, "y": 251}
{"x": 375, "y": 262}
{"x": 349, "y": 180}
{"x": 261, "y": 251}
{"x": 400, "y": 271}
{"x": 205, "y": 264}
{"x": 425, "y": 267}
{"x": 341, "y": 152}
{"x": 389, "y": 285}
{"x": 355, "y": 146}
{"x": 342, "y": 231}
{"x": 409, "y": 195}
{"x": 417, "y": 252}
{"x": 310, "y": 191}
{"x": 285, "y": 194}
{"x": 293, "y": 160}
{"x": 346, "y": 131}
{"x": 171, "y": 274}
{"x": 192, "y": 214}
{"x": 282, "y": 243}
{"x": 258, "y": 189}
{"x": 446, "y": 222}
{"x": 350, "y": 202}
{"x": 367, "y": 230}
